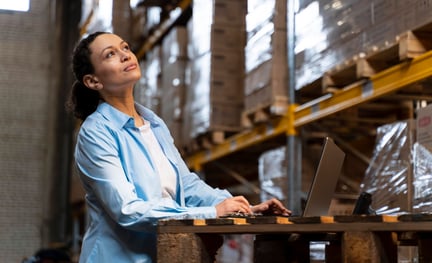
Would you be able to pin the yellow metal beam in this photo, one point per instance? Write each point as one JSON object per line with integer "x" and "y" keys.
{"x": 378, "y": 85}
{"x": 83, "y": 28}
{"x": 238, "y": 142}
{"x": 259, "y": 134}
{"x": 163, "y": 28}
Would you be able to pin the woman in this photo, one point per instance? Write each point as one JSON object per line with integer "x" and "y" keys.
{"x": 131, "y": 171}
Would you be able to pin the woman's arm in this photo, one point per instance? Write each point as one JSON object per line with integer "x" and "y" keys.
{"x": 112, "y": 190}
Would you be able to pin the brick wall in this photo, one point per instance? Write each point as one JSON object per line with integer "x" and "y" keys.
{"x": 27, "y": 102}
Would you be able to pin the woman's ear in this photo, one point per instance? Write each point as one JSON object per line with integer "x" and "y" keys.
{"x": 92, "y": 82}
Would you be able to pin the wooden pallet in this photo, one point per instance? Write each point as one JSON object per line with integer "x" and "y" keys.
{"x": 264, "y": 112}
{"x": 251, "y": 219}
{"x": 207, "y": 141}
{"x": 406, "y": 46}
{"x": 369, "y": 238}
{"x": 403, "y": 47}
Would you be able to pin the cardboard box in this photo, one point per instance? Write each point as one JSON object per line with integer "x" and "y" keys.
{"x": 230, "y": 12}
{"x": 227, "y": 38}
{"x": 424, "y": 126}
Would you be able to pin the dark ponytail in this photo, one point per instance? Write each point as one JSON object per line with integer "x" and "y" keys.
{"x": 83, "y": 101}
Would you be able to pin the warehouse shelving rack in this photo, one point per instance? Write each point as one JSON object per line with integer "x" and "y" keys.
{"x": 278, "y": 128}
{"x": 378, "y": 85}
{"x": 381, "y": 84}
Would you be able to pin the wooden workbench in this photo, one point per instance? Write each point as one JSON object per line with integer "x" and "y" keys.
{"x": 286, "y": 239}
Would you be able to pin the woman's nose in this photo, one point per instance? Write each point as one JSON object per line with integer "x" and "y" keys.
{"x": 125, "y": 57}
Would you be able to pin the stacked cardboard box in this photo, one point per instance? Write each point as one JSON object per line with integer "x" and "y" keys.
{"x": 330, "y": 33}
{"x": 147, "y": 90}
{"x": 214, "y": 99}
{"x": 173, "y": 80}
{"x": 266, "y": 68}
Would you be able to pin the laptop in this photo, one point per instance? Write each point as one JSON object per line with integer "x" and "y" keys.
{"x": 324, "y": 182}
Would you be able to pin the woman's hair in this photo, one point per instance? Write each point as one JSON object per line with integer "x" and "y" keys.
{"x": 83, "y": 101}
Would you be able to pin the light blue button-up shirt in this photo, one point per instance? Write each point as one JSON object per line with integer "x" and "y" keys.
{"x": 123, "y": 189}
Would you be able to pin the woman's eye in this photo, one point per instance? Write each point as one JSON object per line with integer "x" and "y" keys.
{"x": 126, "y": 47}
{"x": 110, "y": 54}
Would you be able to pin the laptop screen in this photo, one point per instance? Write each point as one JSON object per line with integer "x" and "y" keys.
{"x": 324, "y": 183}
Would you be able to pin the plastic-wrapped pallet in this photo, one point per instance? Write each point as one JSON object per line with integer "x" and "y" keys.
{"x": 147, "y": 90}
{"x": 272, "y": 169}
{"x": 173, "y": 81}
{"x": 389, "y": 175}
{"x": 329, "y": 34}
{"x": 214, "y": 96}
{"x": 266, "y": 66}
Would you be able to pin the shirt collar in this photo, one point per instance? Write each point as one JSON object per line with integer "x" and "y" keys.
{"x": 120, "y": 119}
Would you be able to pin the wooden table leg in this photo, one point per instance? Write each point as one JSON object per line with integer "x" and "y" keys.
{"x": 388, "y": 246}
{"x": 191, "y": 248}
{"x": 362, "y": 247}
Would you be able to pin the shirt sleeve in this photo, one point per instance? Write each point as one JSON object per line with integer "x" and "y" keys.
{"x": 197, "y": 192}
{"x": 110, "y": 191}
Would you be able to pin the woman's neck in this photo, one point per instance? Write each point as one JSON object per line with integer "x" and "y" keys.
{"x": 127, "y": 106}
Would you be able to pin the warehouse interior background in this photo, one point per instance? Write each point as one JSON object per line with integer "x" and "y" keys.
{"x": 249, "y": 89}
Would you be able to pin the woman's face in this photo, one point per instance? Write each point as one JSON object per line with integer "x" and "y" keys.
{"x": 114, "y": 63}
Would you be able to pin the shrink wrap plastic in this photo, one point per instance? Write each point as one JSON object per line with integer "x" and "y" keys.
{"x": 272, "y": 168}
{"x": 387, "y": 176}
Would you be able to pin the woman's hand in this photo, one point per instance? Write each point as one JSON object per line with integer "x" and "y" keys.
{"x": 271, "y": 207}
{"x": 237, "y": 204}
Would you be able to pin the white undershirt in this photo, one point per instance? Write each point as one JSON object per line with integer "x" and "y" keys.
{"x": 160, "y": 161}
